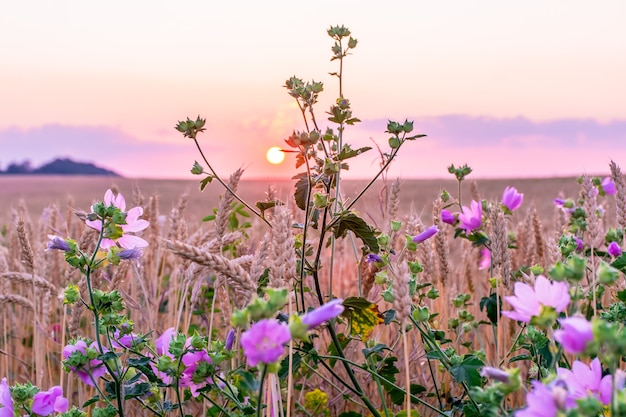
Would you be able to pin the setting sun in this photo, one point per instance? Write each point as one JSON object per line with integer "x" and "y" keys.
{"x": 275, "y": 155}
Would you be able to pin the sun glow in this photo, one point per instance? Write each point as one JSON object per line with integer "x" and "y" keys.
{"x": 275, "y": 155}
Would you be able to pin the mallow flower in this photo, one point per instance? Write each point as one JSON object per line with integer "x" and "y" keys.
{"x": 544, "y": 401}
{"x": 447, "y": 217}
{"x": 574, "y": 334}
{"x": 614, "y": 249}
{"x": 6, "y": 402}
{"x": 133, "y": 224}
{"x": 90, "y": 370}
{"x": 512, "y": 199}
{"x": 264, "y": 341}
{"x": 528, "y": 302}
{"x": 583, "y": 380}
{"x": 485, "y": 259}
{"x": 56, "y": 242}
{"x": 608, "y": 186}
{"x": 426, "y": 234}
{"x": 471, "y": 217}
{"x": 48, "y": 402}
{"x": 323, "y": 313}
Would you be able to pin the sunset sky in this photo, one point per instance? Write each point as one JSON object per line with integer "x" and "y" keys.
{"x": 520, "y": 89}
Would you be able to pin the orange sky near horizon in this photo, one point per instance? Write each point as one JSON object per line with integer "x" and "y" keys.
{"x": 135, "y": 68}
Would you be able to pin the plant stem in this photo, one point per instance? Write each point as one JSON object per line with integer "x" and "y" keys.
{"x": 227, "y": 187}
{"x": 259, "y": 406}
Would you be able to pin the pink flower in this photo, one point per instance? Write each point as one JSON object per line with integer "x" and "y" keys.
{"x": 264, "y": 341}
{"x": 528, "y": 302}
{"x": 191, "y": 360}
{"x": 574, "y": 334}
{"x": 614, "y": 249}
{"x": 583, "y": 380}
{"x": 6, "y": 402}
{"x": 608, "y": 186}
{"x": 512, "y": 199}
{"x": 133, "y": 224}
{"x": 447, "y": 217}
{"x": 471, "y": 218}
{"x": 485, "y": 259}
{"x": 162, "y": 344}
{"x": 328, "y": 311}
{"x": 92, "y": 370}
{"x": 540, "y": 402}
{"x": 426, "y": 234}
{"x": 48, "y": 402}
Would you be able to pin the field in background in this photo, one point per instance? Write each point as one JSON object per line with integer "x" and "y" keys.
{"x": 164, "y": 290}
{"x": 38, "y": 192}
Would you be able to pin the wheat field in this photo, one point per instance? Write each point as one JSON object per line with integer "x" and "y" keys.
{"x": 166, "y": 290}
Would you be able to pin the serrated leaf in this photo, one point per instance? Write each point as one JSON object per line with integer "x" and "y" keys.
{"x": 490, "y": 305}
{"x": 358, "y": 226}
{"x": 136, "y": 390}
{"x": 284, "y": 365}
{"x": 363, "y": 315}
{"x": 467, "y": 371}
{"x": 378, "y": 348}
{"x": 92, "y": 400}
{"x": 302, "y": 190}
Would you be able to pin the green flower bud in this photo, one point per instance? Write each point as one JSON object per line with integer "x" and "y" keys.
{"x": 71, "y": 294}
{"x": 607, "y": 274}
{"x": 421, "y": 314}
{"x": 197, "y": 169}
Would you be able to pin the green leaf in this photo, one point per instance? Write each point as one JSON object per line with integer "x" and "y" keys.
{"x": 467, "y": 371}
{"x": 522, "y": 357}
{"x": 136, "y": 390}
{"x": 621, "y": 295}
{"x": 620, "y": 263}
{"x": 358, "y": 226}
{"x": 491, "y": 306}
{"x": 363, "y": 315}
{"x": 302, "y": 190}
{"x": 284, "y": 365}
{"x": 205, "y": 181}
{"x": 350, "y": 414}
{"x": 378, "y": 348}
{"x": 347, "y": 152}
{"x": 92, "y": 400}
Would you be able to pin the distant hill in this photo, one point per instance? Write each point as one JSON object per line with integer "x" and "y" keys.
{"x": 60, "y": 166}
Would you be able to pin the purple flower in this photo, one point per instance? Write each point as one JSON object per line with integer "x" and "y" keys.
{"x": 528, "y": 302}
{"x": 90, "y": 371}
{"x": 583, "y": 380}
{"x": 447, "y": 217}
{"x": 6, "y": 402}
{"x": 264, "y": 341}
{"x": 608, "y": 186}
{"x": 512, "y": 199}
{"x": 133, "y": 224}
{"x": 328, "y": 311}
{"x": 580, "y": 245}
{"x": 124, "y": 341}
{"x": 471, "y": 218}
{"x": 426, "y": 234}
{"x": 485, "y": 259}
{"x": 134, "y": 253}
{"x": 57, "y": 242}
{"x": 541, "y": 402}
{"x": 372, "y": 257}
{"x": 496, "y": 374}
{"x": 614, "y": 249}
{"x": 574, "y": 334}
{"x": 230, "y": 339}
{"x": 48, "y": 402}
{"x": 559, "y": 202}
